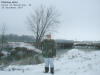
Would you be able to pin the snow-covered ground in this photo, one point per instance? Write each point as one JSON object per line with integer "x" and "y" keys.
{"x": 26, "y": 45}
{"x": 73, "y": 62}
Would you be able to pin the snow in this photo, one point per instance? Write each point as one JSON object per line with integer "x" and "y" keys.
{"x": 73, "y": 62}
{"x": 5, "y": 53}
{"x": 26, "y": 45}
{"x": 77, "y": 62}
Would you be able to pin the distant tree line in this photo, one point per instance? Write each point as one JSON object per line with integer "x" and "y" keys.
{"x": 17, "y": 38}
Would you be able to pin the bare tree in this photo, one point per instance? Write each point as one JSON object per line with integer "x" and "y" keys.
{"x": 3, "y": 39}
{"x": 42, "y": 21}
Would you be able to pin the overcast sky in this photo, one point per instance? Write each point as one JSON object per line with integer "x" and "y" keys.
{"x": 80, "y": 19}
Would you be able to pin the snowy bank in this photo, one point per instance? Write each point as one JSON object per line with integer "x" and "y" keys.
{"x": 73, "y": 62}
{"x": 26, "y": 45}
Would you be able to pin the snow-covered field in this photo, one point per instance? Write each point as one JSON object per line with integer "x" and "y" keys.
{"x": 73, "y": 62}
